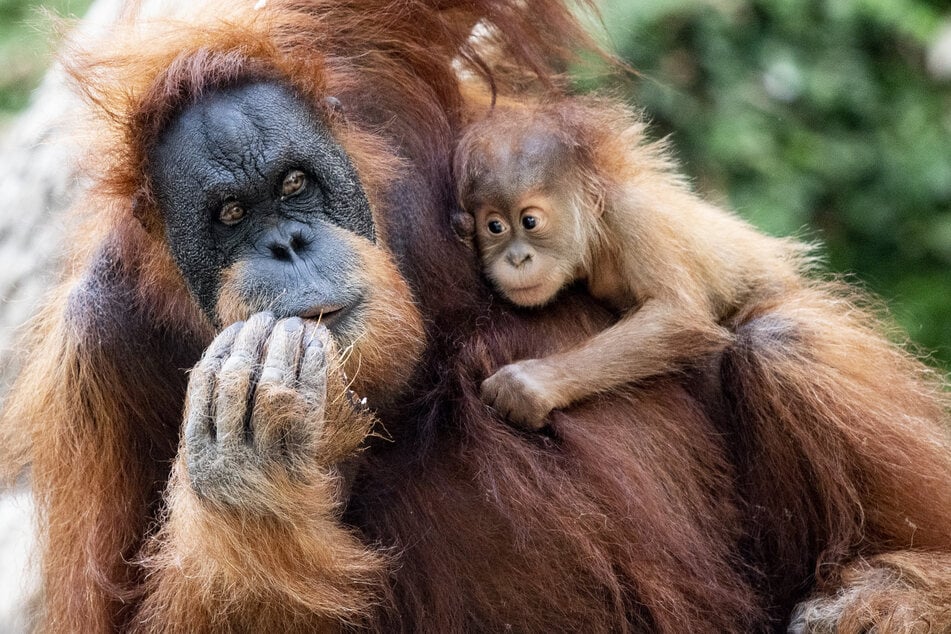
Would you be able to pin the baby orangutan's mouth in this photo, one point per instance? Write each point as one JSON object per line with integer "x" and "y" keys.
{"x": 531, "y": 296}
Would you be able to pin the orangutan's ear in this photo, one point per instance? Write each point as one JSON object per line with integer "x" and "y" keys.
{"x": 463, "y": 225}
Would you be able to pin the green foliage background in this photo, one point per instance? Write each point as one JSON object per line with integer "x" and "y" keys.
{"x": 816, "y": 118}
{"x": 810, "y": 117}
{"x": 26, "y": 47}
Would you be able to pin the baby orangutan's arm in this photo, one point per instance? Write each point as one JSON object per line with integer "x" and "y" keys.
{"x": 655, "y": 339}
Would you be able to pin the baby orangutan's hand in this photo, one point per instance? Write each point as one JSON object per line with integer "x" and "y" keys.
{"x": 518, "y": 392}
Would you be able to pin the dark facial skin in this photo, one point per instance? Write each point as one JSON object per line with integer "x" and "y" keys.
{"x": 262, "y": 205}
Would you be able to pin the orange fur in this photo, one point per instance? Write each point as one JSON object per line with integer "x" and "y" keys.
{"x": 262, "y": 533}
{"x": 861, "y": 428}
{"x": 607, "y": 209}
{"x": 96, "y": 414}
{"x": 809, "y": 460}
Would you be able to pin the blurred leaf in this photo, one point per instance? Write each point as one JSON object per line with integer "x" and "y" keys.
{"x": 27, "y": 46}
{"x": 815, "y": 118}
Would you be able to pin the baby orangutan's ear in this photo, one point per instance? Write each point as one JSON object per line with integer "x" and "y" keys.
{"x": 463, "y": 225}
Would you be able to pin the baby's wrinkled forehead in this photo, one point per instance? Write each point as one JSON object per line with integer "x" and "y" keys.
{"x": 531, "y": 158}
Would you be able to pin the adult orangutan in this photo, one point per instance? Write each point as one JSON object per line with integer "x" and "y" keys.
{"x": 287, "y": 169}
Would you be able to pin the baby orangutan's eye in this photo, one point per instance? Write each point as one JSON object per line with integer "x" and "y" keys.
{"x": 529, "y": 222}
{"x": 231, "y": 213}
{"x": 495, "y": 226}
{"x": 294, "y": 183}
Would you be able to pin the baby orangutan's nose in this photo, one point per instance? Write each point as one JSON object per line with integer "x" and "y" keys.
{"x": 517, "y": 256}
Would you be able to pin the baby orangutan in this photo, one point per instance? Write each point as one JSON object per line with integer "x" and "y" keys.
{"x": 572, "y": 191}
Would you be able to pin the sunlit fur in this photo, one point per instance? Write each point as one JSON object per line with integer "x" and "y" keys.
{"x": 611, "y": 212}
{"x": 294, "y": 515}
{"x": 96, "y": 412}
{"x": 810, "y": 459}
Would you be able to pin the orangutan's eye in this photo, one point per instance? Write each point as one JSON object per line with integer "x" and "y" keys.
{"x": 294, "y": 183}
{"x": 231, "y": 213}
